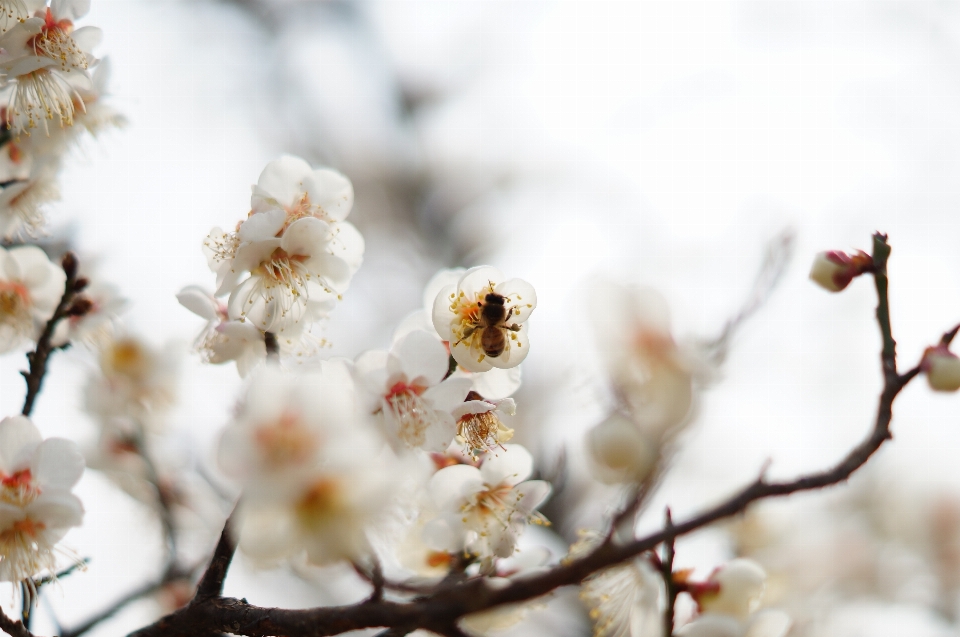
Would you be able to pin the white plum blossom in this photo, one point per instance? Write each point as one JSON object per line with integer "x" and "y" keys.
{"x": 729, "y": 605}
{"x": 315, "y": 474}
{"x": 47, "y": 60}
{"x": 135, "y": 386}
{"x": 652, "y": 374}
{"x": 223, "y": 340}
{"x": 28, "y": 184}
{"x": 483, "y": 318}
{"x": 623, "y": 600}
{"x": 30, "y": 289}
{"x": 480, "y": 423}
{"x": 299, "y": 252}
{"x": 407, "y": 390}
{"x": 484, "y": 511}
{"x": 37, "y": 507}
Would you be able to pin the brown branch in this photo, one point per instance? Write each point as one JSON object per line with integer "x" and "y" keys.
{"x": 12, "y": 627}
{"x": 38, "y": 357}
{"x": 670, "y": 587}
{"x": 211, "y": 584}
{"x": 440, "y": 611}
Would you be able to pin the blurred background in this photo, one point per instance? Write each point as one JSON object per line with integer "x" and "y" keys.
{"x": 655, "y": 143}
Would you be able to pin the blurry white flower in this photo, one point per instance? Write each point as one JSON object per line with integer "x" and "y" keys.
{"x": 653, "y": 376}
{"x": 314, "y": 473}
{"x": 48, "y": 60}
{"x": 834, "y": 270}
{"x": 480, "y": 423}
{"x": 135, "y": 386}
{"x": 26, "y": 186}
{"x": 36, "y": 505}
{"x": 623, "y": 600}
{"x": 728, "y": 603}
{"x": 620, "y": 451}
{"x": 407, "y": 389}
{"x": 102, "y": 305}
{"x": 483, "y": 318}
{"x": 942, "y": 368}
{"x": 30, "y": 289}
{"x": 299, "y": 252}
{"x": 486, "y": 509}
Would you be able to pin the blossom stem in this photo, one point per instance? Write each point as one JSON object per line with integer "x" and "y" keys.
{"x": 273, "y": 347}
{"x": 38, "y": 357}
{"x": 211, "y": 584}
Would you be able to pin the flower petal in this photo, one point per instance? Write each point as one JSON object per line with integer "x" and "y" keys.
{"x": 511, "y": 466}
{"x": 306, "y": 237}
{"x": 423, "y": 358}
{"x": 57, "y": 463}
{"x": 262, "y": 225}
{"x": 449, "y": 486}
{"x": 282, "y": 181}
{"x": 476, "y": 279}
{"x": 19, "y": 438}
{"x": 331, "y": 191}
{"x": 198, "y": 301}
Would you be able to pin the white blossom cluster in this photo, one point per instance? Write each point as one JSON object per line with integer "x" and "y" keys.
{"x": 53, "y": 89}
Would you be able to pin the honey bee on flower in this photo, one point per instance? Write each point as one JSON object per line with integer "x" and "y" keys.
{"x": 483, "y": 318}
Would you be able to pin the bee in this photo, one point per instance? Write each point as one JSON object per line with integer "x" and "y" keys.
{"x": 493, "y": 323}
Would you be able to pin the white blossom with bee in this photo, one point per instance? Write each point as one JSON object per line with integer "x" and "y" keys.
{"x": 483, "y": 318}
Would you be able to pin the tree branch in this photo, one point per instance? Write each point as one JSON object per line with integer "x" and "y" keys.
{"x": 38, "y": 357}
{"x": 670, "y": 587}
{"x": 12, "y": 627}
{"x": 440, "y": 611}
{"x": 211, "y": 584}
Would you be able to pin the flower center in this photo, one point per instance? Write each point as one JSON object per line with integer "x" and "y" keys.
{"x": 285, "y": 442}
{"x": 18, "y": 488}
{"x": 54, "y": 42}
{"x": 321, "y": 504}
{"x": 15, "y": 305}
{"x": 412, "y": 413}
{"x": 482, "y": 432}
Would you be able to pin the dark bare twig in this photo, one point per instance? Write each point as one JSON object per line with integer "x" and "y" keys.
{"x": 38, "y": 357}
{"x": 12, "y": 627}
{"x": 670, "y": 587}
{"x": 211, "y": 584}
{"x": 440, "y": 611}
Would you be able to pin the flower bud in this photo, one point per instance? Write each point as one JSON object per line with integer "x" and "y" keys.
{"x": 834, "y": 270}
{"x": 942, "y": 368}
{"x": 620, "y": 452}
{"x": 741, "y": 583}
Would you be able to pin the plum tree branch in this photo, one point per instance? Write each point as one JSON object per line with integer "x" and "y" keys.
{"x": 440, "y": 610}
{"x": 39, "y": 356}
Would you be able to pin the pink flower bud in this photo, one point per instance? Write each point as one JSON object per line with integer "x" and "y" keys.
{"x": 834, "y": 270}
{"x": 942, "y": 368}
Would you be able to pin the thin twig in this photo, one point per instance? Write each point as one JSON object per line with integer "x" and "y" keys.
{"x": 670, "y": 587}
{"x": 38, "y": 357}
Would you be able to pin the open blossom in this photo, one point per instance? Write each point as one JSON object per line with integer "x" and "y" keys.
{"x": 223, "y": 340}
{"x": 485, "y": 510}
{"x": 47, "y": 59}
{"x": 728, "y": 604}
{"x": 480, "y": 423}
{"x": 135, "y": 386}
{"x": 298, "y": 251}
{"x": 408, "y": 392}
{"x": 30, "y": 288}
{"x": 29, "y": 184}
{"x": 36, "y": 505}
{"x": 483, "y": 318}
{"x": 315, "y": 474}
